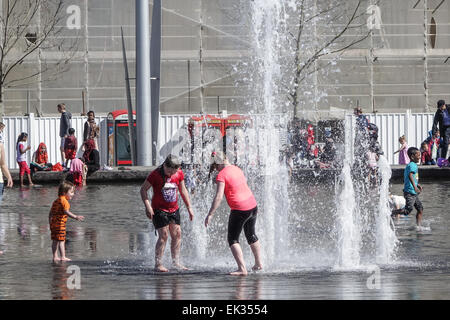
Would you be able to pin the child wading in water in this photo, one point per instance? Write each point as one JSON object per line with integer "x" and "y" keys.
{"x": 22, "y": 158}
{"x": 412, "y": 189}
{"x": 57, "y": 219}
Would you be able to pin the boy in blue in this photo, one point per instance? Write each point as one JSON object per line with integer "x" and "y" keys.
{"x": 412, "y": 189}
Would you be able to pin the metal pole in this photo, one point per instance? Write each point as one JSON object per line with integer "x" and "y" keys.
{"x": 189, "y": 84}
{"x": 143, "y": 112}
{"x": 131, "y": 130}
{"x": 155, "y": 71}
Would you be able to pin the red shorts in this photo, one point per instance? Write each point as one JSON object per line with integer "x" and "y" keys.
{"x": 70, "y": 154}
{"x": 23, "y": 166}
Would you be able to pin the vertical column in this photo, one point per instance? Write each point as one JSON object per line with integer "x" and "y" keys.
{"x": 372, "y": 104}
{"x": 33, "y": 139}
{"x": 86, "y": 53}
{"x": 425, "y": 54}
{"x": 39, "y": 75}
{"x": 202, "y": 89}
{"x": 143, "y": 112}
{"x": 155, "y": 74}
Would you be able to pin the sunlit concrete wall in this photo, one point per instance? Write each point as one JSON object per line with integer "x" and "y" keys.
{"x": 204, "y": 40}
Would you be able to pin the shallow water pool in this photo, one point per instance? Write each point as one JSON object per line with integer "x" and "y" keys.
{"x": 113, "y": 251}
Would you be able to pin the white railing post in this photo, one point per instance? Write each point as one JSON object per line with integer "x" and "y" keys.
{"x": 408, "y": 126}
{"x": 31, "y": 135}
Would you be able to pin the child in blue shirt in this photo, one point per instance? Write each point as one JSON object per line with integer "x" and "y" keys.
{"x": 412, "y": 189}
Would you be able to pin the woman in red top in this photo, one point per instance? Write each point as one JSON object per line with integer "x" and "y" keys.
{"x": 232, "y": 182}
{"x": 163, "y": 210}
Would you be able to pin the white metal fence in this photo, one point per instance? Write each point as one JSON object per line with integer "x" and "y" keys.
{"x": 414, "y": 126}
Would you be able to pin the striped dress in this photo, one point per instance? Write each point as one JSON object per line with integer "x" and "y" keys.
{"x": 58, "y": 218}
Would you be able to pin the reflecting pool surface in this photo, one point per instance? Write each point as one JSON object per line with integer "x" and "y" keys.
{"x": 113, "y": 252}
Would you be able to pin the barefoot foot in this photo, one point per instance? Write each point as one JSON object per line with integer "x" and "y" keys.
{"x": 256, "y": 268}
{"x": 161, "y": 269}
{"x": 178, "y": 266}
{"x": 239, "y": 273}
{"x": 66, "y": 259}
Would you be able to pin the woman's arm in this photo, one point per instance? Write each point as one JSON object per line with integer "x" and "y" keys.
{"x": 216, "y": 202}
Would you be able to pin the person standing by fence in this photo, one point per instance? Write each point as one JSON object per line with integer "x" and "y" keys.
{"x": 442, "y": 118}
{"x": 64, "y": 125}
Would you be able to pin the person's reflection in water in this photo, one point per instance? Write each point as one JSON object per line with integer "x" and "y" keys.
{"x": 23, "y": 228}
{"x": 91, "y": 236}
{"x": 247, "y": 288}
{"x": 59, "y": 288}
{"x": 24, "y": 193}
{"x": 168, "y": 288}
{"x": 132, "y": 243}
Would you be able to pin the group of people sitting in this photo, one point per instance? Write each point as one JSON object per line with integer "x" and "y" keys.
{"x": 79, "y": 168}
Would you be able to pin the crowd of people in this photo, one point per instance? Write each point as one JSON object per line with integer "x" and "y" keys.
{"x": 434, "y": 149}
{"x": 77, "y": 168}
{"x": 303, "y": 151}
{"x": 168, "y": 179}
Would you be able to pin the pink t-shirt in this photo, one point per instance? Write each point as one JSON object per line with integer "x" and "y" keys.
{"x": 238, "y": 194}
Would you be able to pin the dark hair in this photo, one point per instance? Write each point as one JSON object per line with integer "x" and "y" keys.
{"x": 64, "y": 187}
{"x": 62, "y": 106}
{"x": 440, "y": 103}
{"x": 90, "y": 111}
{"x": 412, "y": 150}
{"x": 172, "y": 161}
{"x": 71, "y": 130}
{"x": 21, "y": 136}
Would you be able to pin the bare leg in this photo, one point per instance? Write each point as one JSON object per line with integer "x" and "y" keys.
{"x": 21, "y": 181}
{"x": 175, "y": 245}
{"x": 62, "y": 248}
{"x": 256, "y": 249}
{"x": 30, "y": 181}
{"x": 63, "y": 159}
{"x": 55, "y": 248}
{"x": 239, "y": 257}
{"x": 159, "y": 249}
{"x": 419, "y": 218}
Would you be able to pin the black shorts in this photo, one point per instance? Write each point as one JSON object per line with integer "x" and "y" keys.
{"x": 412, "y": 200}
{"x": 242, "y": 219}
{"x": 162, "y": 218}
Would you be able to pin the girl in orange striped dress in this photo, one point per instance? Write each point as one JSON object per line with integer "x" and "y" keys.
{"x": 58, "y": 218}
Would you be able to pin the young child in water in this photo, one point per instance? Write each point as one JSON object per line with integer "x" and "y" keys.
{"x": 412, "y": 188}
{"x": 58, "y": 218}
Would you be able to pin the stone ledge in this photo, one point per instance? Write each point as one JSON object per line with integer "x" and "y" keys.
{"x": 138, "y": 174}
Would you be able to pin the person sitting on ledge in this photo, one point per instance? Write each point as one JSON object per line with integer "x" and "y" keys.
{"x": 91, "y": 156}
{"x": 40, "y": 160}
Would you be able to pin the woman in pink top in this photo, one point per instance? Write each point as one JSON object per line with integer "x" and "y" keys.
{"x": 232, "y": 182}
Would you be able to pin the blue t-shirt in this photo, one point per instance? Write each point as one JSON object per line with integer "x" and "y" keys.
{"x": 411, "y": 167}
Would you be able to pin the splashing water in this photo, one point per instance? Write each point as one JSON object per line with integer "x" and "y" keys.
{"x": 385, "y": 230}
{"x": 269, "y": 28}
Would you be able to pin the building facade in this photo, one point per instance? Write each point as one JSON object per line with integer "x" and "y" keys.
{"x": 403, "y": 64}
